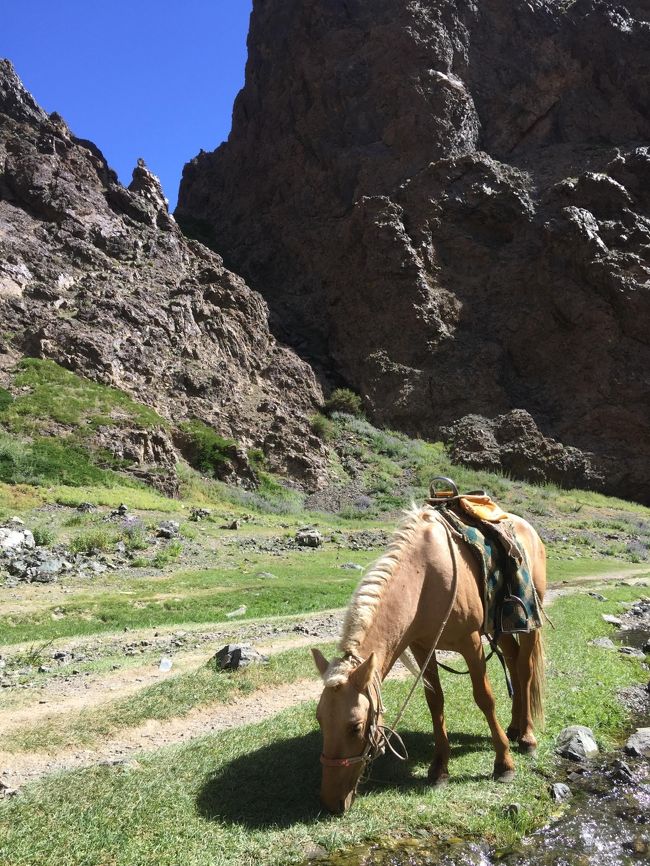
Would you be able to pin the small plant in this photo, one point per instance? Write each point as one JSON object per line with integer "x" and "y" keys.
{"x": 43, "y": 536}
{"x": 5, "y": 399}
{"x": 323, "y": 427}
{"x": 135, "y": 537}
{"x": 139, "y": 562}
{"x": 207, "y": 450}
{"x": 93, "y": 541}
{"x": 344, "y": 400}
{"x": 169, "y": 554}
{"x": 256, "y": 458}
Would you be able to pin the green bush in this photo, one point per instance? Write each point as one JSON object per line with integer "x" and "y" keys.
{"x": 344, "y": 400}
{"x": 207, "y": 450}
{"x": 43, "y": 536}
{"x": 323, "y": 427}
{"x": 168, "y": 554}
{"x": 5, "y": 399}
{"x": 93, "y": 541}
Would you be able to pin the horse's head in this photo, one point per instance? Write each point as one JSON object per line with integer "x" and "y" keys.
{"x": 348, "y": 713}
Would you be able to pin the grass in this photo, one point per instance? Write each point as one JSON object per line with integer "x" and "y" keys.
{"x": 306, "y": 581}
{"x": 250, "y": 795}
{"x": 172, "y": 698}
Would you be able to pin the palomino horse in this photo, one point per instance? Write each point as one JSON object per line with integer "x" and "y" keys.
{"x": 402, "y": 602}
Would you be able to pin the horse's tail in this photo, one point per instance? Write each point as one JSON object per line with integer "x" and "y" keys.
{"x": 538, "y": 679}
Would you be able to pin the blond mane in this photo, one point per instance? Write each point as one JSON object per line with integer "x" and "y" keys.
{"x": 370, "y": 591}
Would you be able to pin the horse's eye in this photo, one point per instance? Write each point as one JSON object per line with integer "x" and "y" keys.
{"x": 357, "y": 728}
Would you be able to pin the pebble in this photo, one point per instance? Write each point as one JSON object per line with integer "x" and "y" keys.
{"x": 577, "y": 742}
{"x": 560, "y": 792}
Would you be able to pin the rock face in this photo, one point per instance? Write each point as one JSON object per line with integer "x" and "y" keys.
{"x": 449, "y": 202}
{"x": 99, "y": 278}
{"x": 513, "y": 444}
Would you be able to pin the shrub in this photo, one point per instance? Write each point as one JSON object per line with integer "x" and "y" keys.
{"x": 168, "y": 554}
{"x": 323, "y": 427}
{"x": 93, "y": 541}
{"x": 5, "y": 399}
{"x": 135, "y": 537}
{"x": 208, "y": 451}
{"x": 43, "y": 536}
{"x": 344, "y": 400}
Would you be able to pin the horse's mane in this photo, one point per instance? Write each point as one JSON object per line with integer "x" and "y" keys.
{"x": 368, "y": 595}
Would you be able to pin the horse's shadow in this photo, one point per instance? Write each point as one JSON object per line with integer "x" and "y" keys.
{"x": 278, "y": 784}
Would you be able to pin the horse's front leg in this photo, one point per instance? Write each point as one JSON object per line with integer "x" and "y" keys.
{"x": 439, "y": 769}
{"x": 472, "y": 650}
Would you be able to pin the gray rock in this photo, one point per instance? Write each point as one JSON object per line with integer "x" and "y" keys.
{"x": 604, "y": 642}
{"x": 621, "y": 771}
{"x": 597, "y": 596}
{"x": 638, "y": 744}
{"x": 352, "y": 566}
{"x": 576, "y": 742}
{"x": 632, "y": 651}
{"x": 13, "y": 538}
{"x": 168, "y": 529}
{"x": 612, "y": 620}
{"x": 232, "y": 657}
{"x": 560, "y": 792}
{"x": 646, "y": 646}
{"x": 308, "y": 537}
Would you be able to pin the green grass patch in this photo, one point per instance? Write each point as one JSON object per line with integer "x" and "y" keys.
{"x": 251, "y": 795}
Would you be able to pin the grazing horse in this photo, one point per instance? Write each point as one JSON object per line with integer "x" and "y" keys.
{"x": 426, "y": 587}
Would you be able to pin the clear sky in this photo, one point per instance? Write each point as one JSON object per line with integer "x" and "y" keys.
{"x": 149, "y": 78}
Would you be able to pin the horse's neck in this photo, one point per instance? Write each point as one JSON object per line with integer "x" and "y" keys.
{"x": 388, "y": 635}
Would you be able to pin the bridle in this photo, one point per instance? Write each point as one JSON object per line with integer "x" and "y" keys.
{"x": 379, "y": 735}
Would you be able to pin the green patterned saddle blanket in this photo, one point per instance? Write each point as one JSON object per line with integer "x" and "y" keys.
{"x": 510, "y": 602}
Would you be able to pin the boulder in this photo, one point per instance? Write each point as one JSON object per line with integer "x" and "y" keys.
{"x": 168, "y": 529}
{"x": 15, "y": 539}
{"x": 233, "y": 657}
{"x": 308, "y": 537}
{"x": 576, "y": 742}
{"x": 638, "y": 744}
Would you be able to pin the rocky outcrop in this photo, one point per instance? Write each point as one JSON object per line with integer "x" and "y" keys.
{"x": 448, "y": 206}
{"x": 99, "y": 278}
{"x": 512, "y": 444}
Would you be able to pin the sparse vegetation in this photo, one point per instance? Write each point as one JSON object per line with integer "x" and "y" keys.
{"x": 207, "y": 451}
{"x": 323, "y": 427}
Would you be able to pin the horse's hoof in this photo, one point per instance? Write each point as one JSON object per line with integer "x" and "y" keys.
{"x": 527, "y": 748}
{"x": 504, "y": 775}
{"x": 440, "y": 781}
{"x": 512, "y": 733}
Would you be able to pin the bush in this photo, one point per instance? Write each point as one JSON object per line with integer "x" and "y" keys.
{"x": 168, "y": 554}
{"x": 208, "y": 451}
{"x": 5, "y": 399}
{"x": 93, "y": 541}
{"x": 323, "y": 427}
{"x": 344, "y": 400}
{"x": 43, "y": 536}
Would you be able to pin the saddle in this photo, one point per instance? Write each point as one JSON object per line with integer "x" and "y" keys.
{"x": 510, "y": 602}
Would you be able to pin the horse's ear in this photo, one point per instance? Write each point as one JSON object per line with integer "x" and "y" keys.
{"x": 321, "y": 662}
{"x": 360, "y": 677}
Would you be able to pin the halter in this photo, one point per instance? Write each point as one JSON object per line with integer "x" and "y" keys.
{"x": 379, "y": 736}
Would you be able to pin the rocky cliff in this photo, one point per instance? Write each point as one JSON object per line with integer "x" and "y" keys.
{"x": 99, "y": 278}
{"x": 447, "y": 204}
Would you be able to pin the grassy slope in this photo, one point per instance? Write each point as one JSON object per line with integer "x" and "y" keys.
{"x": 249, "y": 796}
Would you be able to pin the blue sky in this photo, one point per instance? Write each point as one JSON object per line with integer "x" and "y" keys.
{"x": 150, "y": 78}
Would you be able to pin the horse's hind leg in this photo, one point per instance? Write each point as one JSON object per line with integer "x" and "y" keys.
{"x": 472, "y": 650}
{"x": 439, "y": 769}
{"x": 510, "y": 648}
{"x": 529, "y": 671}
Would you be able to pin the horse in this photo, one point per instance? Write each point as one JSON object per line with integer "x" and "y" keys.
{"x": 422, "y": 594}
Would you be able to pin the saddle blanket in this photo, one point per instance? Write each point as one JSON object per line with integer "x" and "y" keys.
{"x": 510, "y": 601}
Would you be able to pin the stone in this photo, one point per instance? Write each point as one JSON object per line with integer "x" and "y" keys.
{"x": 621, "y": 771}
{"x": 646, "y": 647}
{"x": 352, "y": 566}
{"x": 632, "y": 651}
{"x": 233, "y": 657}
{"x": 560, "y": 792}
{"x": 197, "y": 514}
{"x": 638, "y": 744}
{"x": 441, "y": 202}
{"x": 612, "y": 620}
{"x": 603, "y": 642}
{"x": 308, "y": 537}
{"x": 597, "y": 596}
{"x": 14, "y": 538}
{"x": 576, "y": 742}
{"x": 168, "y": 529}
